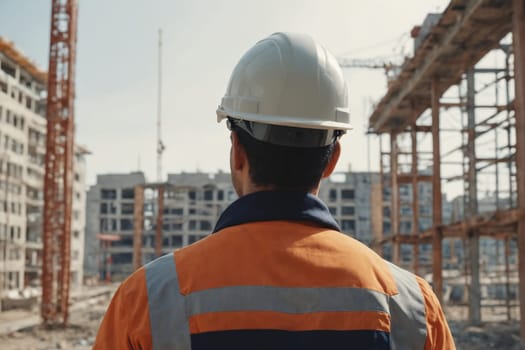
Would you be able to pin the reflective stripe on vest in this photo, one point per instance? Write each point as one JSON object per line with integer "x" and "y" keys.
{"x": 407, "y": 312}
{"x": 169, "y": 310}
{"x": 168, "y": 322}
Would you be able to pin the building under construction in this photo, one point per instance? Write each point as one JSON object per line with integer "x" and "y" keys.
{"x": 454, "y": 116}
{"x": 22, "y": 152}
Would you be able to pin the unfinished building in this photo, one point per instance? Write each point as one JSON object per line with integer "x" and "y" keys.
{"x": 22, "y": 152}
{"x": 454, "y": 117}
{"x": 131, "y": 222}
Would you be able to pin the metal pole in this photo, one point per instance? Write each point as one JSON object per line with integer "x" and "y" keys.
{"x": 518, "y": 35}
{"x": 507, "y": 276}
{"x": 437, "y": 255}
{"x": 379, "y": 246}
{"x": 472, "y": 210}
{"x": 508, "y": 118}
{"x": 160, "y": 145}
{"x": 415, "y": 200}
{"x": 138, "y": 226}
{"x": 394, "y": 210}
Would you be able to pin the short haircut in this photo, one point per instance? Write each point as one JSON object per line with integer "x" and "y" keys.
{"x": 283, "y": 167}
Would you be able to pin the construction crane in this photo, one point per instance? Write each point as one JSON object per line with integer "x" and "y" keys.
{"x": 59, "y": 163}
{"x": 390, "y": 67}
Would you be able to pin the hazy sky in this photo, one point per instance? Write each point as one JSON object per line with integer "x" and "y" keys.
{"x": 203, "y": 40}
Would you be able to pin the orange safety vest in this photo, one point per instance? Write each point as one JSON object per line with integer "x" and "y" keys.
{"x": 262, "y": 282}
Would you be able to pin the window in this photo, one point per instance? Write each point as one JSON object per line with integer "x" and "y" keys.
{"x": 76, "y": 234}
{"x": 176, "y": 241}
{"x": 192, "y": 225}
{"x": 128, "y": 193}
{"x": 406, "y": 226}
{"x": 8, "y": 69}
{"x": 347, "y": 194}
{"x": 347, "y": 210}
{"x": 333, "y": 210}
{"x": 386, "y": 211}
{"x": 126, "y": 224}
{"x": 220, "y": 195}
{"x": 104, "y": 226}
{"x": 208, "y": 195}
{"x": 333, "y": 195}
{"x": 176, "y": 211}
{"x": 176, "y": 227}
{"x": 205, "y": 225}
{"x": 126, "y": 208}
{"x": 348, "y": 225}
{"x": 108, "y": 194}
{"x": 193, "y": 238}
{"x": 192, "y": 195}
{"x": 386, "y": 227}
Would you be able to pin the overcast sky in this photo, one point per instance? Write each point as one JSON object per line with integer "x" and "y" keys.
{"x": 203, "y": 40}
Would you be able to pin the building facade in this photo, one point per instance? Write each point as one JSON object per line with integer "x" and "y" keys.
{"x": 348, "y": 196}
{"x": 192, "y": 204}
{"x": 110, "y": 208}
{"x": 22, "y": 157}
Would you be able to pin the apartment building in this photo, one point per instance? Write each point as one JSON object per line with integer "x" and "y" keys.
{"x": 192, "y": 205}
{"x": 22, "y": 157}
{"x": 109, "y": 208}
{"x": 348, "y": 196}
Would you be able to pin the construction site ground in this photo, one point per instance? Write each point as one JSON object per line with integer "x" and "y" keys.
{"x": 20, "y": 330}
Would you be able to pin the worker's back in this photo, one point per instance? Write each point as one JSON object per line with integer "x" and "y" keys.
{"x": 286, "y": 285}
{"x": 276, "y": 274}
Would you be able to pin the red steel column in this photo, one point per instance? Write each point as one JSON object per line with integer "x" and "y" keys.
{"x": 518, "y": 34}
{"x": 58, "y": 180}
{"x": 437, "y": 256}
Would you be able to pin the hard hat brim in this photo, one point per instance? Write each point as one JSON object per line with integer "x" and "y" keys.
{"x": 224, "y": 112}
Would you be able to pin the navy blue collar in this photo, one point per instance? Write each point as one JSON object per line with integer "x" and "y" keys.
{"x": 277, "y": 205}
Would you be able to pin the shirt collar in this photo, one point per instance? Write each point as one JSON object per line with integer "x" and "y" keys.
{"x": 277, "y": 205}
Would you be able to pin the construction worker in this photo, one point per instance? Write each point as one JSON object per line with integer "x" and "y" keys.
{"x": 277, "y": 273}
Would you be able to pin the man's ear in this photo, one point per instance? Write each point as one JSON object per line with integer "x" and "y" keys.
{"x": 333, "y": 160}
{"x": 238, "y": 153}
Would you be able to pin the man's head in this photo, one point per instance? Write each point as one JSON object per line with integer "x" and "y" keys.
{"x": 286, "y": 105}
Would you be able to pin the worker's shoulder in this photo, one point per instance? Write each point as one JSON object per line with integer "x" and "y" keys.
{"x": 133, "y": 285}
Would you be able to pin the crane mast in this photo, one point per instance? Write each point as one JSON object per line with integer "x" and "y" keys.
{"x": 58, "y": 180}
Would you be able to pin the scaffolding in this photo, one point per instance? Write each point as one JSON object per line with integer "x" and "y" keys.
{"x": 454, "y": 117}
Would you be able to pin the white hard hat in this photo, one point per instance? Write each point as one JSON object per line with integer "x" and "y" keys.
{"x": 288, "y": 80}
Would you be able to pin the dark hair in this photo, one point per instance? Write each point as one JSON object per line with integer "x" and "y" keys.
{"x": 284, "y": 167}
